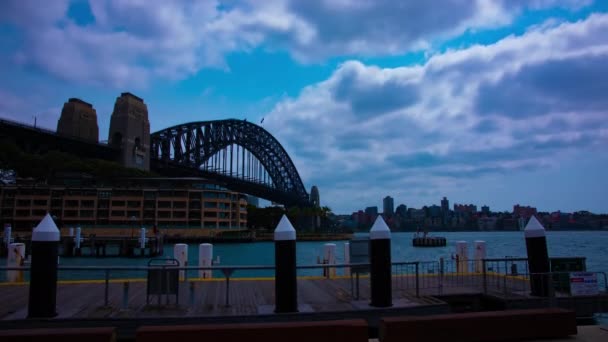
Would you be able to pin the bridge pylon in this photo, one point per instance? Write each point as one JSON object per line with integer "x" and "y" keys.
{"x": 130, "y": 131}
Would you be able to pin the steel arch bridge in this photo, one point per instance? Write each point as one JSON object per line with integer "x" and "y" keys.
{"x": 240, "y": 155}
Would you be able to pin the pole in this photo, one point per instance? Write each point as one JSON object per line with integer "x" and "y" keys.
{"x": 285, "y": 283}
{"x": 380, "y": 264}
{"x": 43, "y": 270}
{"x": 538, "y": 258}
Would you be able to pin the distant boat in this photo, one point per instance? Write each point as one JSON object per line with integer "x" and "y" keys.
{"x": 428, "y": 241}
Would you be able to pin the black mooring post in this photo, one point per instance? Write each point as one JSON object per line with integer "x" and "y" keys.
{"x": 538, "y": 258}
{"x": 285, "y": 283}
{"x": 380, "y": 264}
{"x": 43, "y": 270}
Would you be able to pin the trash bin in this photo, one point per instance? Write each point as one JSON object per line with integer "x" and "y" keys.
{"x": 163, "y": 279}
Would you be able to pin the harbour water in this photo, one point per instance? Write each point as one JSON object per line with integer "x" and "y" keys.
{"x": 590, "y": 244}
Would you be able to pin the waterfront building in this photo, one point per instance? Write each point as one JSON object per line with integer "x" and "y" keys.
{"x": 445, "y": 206}
{"x": 523, "y": 212}
{"x": 401, "y": 210}
{"x": 485, "y": 210}
{"x": 79, "y": 120}
{"x": 388, "y": 206}
{"x": 465, "y": 210}
{"x": 372, "y": 211}
{"x": 434, "y": 211}
{"x": 166, "y": 202}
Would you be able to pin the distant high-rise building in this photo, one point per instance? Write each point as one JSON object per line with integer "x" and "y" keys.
{"x": 445, "y": 206}
{"x": 130, "y": 131}
{"x": 78, "y": 119}
{"x": 388, "y": 206}
{"x": 485, "y": 210}
{"x": 401, "y": 210}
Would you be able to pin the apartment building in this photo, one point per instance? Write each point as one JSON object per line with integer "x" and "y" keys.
{"x": 166, "y": 202}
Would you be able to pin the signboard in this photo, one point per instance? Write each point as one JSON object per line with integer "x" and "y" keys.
{"x": 583, "y": 284}
{"x": 359, "y": 254}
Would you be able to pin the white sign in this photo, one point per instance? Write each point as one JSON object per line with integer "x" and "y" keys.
{"x": 583, "y": 284}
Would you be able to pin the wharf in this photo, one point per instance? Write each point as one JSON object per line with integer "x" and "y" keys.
{"x": 252, "y": 300}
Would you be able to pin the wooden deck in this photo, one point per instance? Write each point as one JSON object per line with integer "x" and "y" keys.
{"x": 200, "y": 298}
{"x": 254, "y": 297}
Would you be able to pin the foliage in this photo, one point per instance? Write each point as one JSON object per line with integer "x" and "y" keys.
{"x": 48, "y": 165}
{"x": 301, "y": 217}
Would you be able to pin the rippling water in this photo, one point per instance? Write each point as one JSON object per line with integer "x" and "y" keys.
{"x": 590, "y": 244}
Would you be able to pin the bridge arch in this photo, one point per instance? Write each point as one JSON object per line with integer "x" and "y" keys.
{"x": 191, "y": 148}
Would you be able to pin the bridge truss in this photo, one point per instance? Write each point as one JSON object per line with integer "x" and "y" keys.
{"x": 241, "y": 155}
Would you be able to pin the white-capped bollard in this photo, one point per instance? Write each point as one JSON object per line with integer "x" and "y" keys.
{"x": 329, "y": 257}
{"x": 43, "y": 270}
{"x": 380, "y": 264}
{"x": 462, "y": 257}
{"x": 16, "y": 256}
{"x": 205, "y": 258}
{"x": 347, "y": 258}
{"x": 77, "y": 241}
{"x": 538, "y": 258}
{"x": 142, "y": 238}
{"x": 180, "y": 253}
{"x": 7, "y": 235}
{"x": 480, "y": 254}
{"x": 285, "y": 279}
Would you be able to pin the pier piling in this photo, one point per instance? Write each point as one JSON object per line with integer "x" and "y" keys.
{"x": 285, "y": 283}
{"x": 43, "y": 270}
{"x": 538, "y": 258}
{"x": 380, "y": 264}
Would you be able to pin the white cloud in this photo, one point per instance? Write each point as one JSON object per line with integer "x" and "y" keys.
{"x": 131, "y": 42}
{"x": 458, "y": 115}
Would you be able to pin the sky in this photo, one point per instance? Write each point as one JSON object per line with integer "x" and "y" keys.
{"x": 489, "y": 102}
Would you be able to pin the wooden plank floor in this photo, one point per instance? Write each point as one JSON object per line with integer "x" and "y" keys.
{"x": 246, "y": 297}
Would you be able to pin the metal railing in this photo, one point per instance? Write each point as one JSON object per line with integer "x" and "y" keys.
{"x": 506, "y": 277}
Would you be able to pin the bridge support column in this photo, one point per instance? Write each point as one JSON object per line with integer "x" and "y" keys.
{"x": 538, "y": 258}
{"x": 43, "y": 270}
{"x": 380, "y": 264}
{"x": 285, "y": 281}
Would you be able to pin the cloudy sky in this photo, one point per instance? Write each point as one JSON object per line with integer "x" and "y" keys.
{"x": 486, "y": 102}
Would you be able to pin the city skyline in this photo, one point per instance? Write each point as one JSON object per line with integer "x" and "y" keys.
{"x": 493, "y": 103}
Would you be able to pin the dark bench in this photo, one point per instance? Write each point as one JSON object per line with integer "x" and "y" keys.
{"x": 318, "y": 331}
{"x": 59, "y": 334}
{"x": 509, "y": 325}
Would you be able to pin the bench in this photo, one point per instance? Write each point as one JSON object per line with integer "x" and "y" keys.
{"x": 506, "y": 325}
{"x": 60, "y": 334}
{"x": 317, "y": 331}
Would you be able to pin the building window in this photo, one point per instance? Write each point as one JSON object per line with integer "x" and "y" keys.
{"x": 40, "y": 202}
{"x": 118, "y": 203}
{"x": 120, "y": 213}
{"x": 210, "y": 214}
{"x": 71, "y": 203}
{"x": 211, "y": 205}
{"x": 23, "y": 203}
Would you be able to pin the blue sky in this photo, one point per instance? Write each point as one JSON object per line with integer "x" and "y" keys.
{"x": 487, "y": 102}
